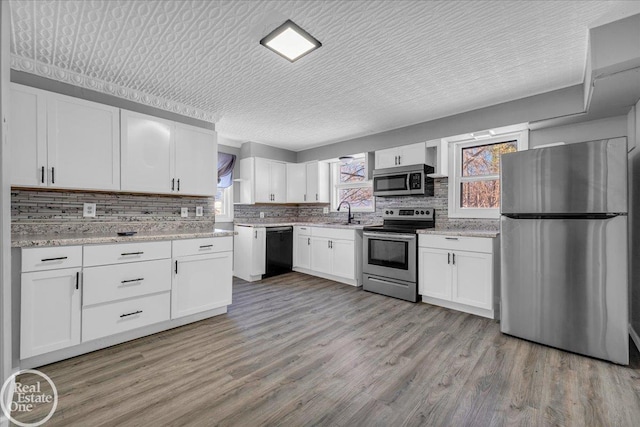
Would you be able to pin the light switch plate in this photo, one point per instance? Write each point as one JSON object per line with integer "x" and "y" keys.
{"x": 325, "y": 210}
{"x": 261, "y": 214}
{"x": 199, "y": 211}
{"x": 89, "y": 210}
{"x": 184, "y": 212}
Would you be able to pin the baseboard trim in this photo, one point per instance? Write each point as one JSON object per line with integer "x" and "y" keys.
{"x": 459, "y": 307}
{"x": 634, "y": 337}
{"x": 327, "y": 276}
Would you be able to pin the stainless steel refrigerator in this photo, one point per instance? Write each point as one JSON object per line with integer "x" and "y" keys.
{"x": 564, "y": 247}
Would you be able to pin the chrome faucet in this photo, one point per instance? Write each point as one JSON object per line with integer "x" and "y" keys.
{"x": 349, "y": 216}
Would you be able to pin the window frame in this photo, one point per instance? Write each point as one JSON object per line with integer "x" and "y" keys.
{"x": 227, "y": 204}
{"x": 336, "y": 186}
{"x": 456, "y": 178}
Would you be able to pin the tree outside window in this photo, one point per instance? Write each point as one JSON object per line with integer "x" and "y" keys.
{"x": 351, "y": 184}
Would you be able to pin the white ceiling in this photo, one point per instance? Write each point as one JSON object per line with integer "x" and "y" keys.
{"x": 383, "y": 64}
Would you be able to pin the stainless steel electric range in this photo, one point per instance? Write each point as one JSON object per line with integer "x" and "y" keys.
{"x": 390, "y": 252}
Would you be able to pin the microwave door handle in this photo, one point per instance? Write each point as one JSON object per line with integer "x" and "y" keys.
{"x": 408, "y": 181}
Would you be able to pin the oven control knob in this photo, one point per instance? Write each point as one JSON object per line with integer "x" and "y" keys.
{"x": 426, "y": 212}
{"x": 422, "y": 212}
{"x": 386, "y": 212}
{"x": 391, "y": 212}
{"x": 417, "y": 212}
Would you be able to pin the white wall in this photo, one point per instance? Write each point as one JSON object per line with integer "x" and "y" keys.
{"x": 609, "y": 127}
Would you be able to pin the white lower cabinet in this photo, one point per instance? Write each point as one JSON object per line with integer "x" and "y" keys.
{"x": 328, "y": 252}
{"x": 50, "y": 311}
{"x": 119, "y": 287}
{"x": 201, "y": 281}
{"x": 459, "y": 273}
{"x": 249, "y": 252}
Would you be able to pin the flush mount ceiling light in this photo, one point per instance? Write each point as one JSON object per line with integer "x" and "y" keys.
{"x": 290, "y": 41}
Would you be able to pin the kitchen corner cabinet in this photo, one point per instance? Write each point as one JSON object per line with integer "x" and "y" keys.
{"x": 249, "y": 252}
{"x": 438, "y": 158}
{"x": 51, "y": 309}
{"x": 163, "y": 157}
{"x": 459, "y": 273}
{"x": 412, "y": 154}
{"x": 332, "y": 253}
{"x": 202, "y": 275}
{"x": 270, "y": 180}
{"x": 59, "y": 141}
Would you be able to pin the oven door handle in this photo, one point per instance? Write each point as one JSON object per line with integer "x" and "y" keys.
{"x": 390, "y": 236}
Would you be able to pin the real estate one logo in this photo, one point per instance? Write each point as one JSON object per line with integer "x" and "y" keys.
{"x": 28, "y": 397}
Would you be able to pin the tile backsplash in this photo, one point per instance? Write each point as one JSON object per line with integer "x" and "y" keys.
{"x": 314, "y": 213}
{"x": 39, "y": 211}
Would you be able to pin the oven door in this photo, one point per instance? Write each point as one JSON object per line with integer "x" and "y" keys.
{"x": 391, "y": 255}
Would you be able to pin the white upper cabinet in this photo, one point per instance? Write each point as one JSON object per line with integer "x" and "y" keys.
{"x": 63, "y": 142}
{"x": 196, "y": 161}
{"x": 28, "y": 136}
{"x": 317, "y": 182}
{"x": 270, "y": 181}
{"x": 297, "y": 182}
{"x": 147, "y": 159}
{"x": 437, "y": 156}
{"x": 160, "y": 156}
{"x": 413, "y": 154}
{"x": 83, "y": 144}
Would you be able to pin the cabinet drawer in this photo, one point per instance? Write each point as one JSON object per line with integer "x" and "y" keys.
{"x": 115, "y": 282}
{"x": 302, "y": 231}
{"x": 50, "y": 258}
{"x": 472, "y": 244}
{"x": 202, "y": 246}
{"x": 333, "y": 233}
{"x": 112, "y": 318}
{"x": 126, "y": 252}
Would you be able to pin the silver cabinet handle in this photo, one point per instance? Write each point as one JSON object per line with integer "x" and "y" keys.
{"x": 308, "y": 241}
{"x": 42, "y": 175}
{"x": 454, "y": 258}
{"x": 255, "y": 234}
{"x": 178, "y": 184}
{"x": 305, "y": 197}
{"x": 176, "y": 266}
{"x": 173, "y": 184}
{"x": 53, "y": 175}
{"x": 451, "y": 238}
{"x": 132, "y": 280}
{"x": 316, "y": 197}
{"x": 448, "y": 258}
{"x": 131, "y": 314}
{"x": 77, "y": 280}
{"x": 131, "y": 253}
{"x": 207, "y": 246}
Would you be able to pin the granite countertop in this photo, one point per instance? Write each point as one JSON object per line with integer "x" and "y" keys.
{"x": 460, "y": 232}
{"x": 31, "y": 240}
{"x": 307, "y": 224}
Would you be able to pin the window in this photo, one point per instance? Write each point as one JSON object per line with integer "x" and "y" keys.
{"x": 350, "y": 183}
{"x": 224, "y": 204}
{"x": 474, "y": 184}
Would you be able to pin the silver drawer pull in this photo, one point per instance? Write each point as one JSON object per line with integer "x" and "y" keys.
{"x": 54, "y": 259}
{"x": 131, "y": 314}
{"x": 131, "y": 253}
{"x": 451, "y": 238}
{"x": 206, "y": 246}
{"x": 133, "y": 280}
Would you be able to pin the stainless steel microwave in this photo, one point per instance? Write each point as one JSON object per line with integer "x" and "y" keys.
{"x": 409, "y": 180}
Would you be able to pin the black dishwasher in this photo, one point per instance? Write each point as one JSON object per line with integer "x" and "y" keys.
{"x": 279, "y": 251}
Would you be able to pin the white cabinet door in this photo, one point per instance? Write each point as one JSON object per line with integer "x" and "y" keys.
{"x": 147, "y": 153}
{"x": 50, "y": 311}
{"x": 435, "y": 273}
{"x": 343, "y": 258}
{"x": 259, "y": 251}
{"x": 247, "y": 180}
{"x": 200, "y": 283}
{"x": 196, "y": 161}
{"x": 83, "y": 144}
{"x": 321, "y": 255}
{"x": 472, "y": 281}
{"x": 302, "y": 252}
{"x": 317, "y": 182}
{"x": 28, "y": 136}
{"x": 297, "y": 179}
{"x": 413, "y": 154}
{"x": 278, "y": 176}
{"x": 386, "y": 158}
{"x": 262, "y": 180}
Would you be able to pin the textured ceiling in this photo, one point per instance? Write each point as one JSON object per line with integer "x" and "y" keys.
{"x": 383, "y": 64}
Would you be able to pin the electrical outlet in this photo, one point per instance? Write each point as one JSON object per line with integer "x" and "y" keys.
{"x": 184, "y": 212}
{"x": 325, "y": 210}
{"x": 89, "y": 210}
{"x": 199, "y": 211}
{"x": 261, "y": 214}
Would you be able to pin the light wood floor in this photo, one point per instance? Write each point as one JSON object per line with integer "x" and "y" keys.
{"x": 297, "y": 350}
